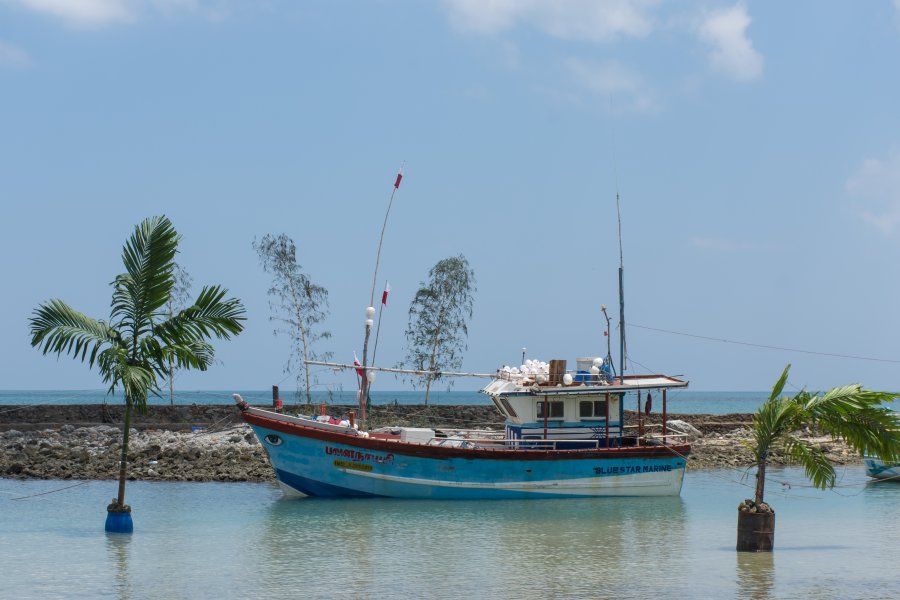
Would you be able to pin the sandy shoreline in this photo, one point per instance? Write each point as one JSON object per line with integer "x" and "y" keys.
{"x": 210, "y": 443}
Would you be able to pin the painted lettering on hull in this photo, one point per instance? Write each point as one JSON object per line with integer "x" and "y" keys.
{"x": 361, "y": 457}
{"x": 632, "y": 469}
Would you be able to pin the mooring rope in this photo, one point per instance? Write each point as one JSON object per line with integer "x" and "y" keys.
{"x": 68, "y": 487}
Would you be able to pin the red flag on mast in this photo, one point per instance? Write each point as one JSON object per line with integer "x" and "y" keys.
{"x": 356, "y": 362}
{"x": 399, "y": 177}
{"x": 384, "y": 295}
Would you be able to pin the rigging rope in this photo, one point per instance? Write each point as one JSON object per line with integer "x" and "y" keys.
{"x": 765, "y": 346}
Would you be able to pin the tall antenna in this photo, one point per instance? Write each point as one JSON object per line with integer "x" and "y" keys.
{"x": 621, "y": 261}
{"x": 621, "y": 297}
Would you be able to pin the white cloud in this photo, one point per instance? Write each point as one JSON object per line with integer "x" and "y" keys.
{"x": 732, "y": 51}
{"x": 615, "y": 82}
{"x": 594, "y": 20}
{"x": 13, "y": 56}
{"x": 99, "y": 13}
{"x": 86, "y": 13}
{"x": 877, "y": 186}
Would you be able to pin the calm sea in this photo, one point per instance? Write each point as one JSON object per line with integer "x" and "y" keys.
{"x": 217, "y": 540}
{"x": 678, "y": 401}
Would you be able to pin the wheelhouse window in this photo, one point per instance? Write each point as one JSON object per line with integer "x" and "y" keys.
{"x": 556, "y": 409}
{"x": 592, "y": 409}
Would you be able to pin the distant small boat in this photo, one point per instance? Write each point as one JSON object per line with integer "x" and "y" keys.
{"x": 877, "y": 469}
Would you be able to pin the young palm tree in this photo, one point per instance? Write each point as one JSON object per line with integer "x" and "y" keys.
{"x": 134, "y": 348}
{"x": 851, "y": 413}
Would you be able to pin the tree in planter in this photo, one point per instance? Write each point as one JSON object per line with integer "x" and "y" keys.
{"x": 438, "y": 320}
{"x": 298, "y": 304}
{"x": 851, "y": 413}
{"x": 133, "y": 348}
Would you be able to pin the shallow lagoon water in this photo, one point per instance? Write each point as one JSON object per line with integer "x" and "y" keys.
{"x": 218, "y": 540}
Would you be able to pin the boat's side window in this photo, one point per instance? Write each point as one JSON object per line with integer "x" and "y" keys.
{"x": 592, "y": 409}
{"x": 509, "y": 409}
{"x": 556, "y": 409}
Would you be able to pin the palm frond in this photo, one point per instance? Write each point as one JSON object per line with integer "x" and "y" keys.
{"x": 190, "y": 354}
{"x": 779, "y": 385}
{"x": 109, "y": 360}
{"x": 137, "y": 381}
{"x": 814, "y": 462}
{"x": 211, "y": 315}
{"x": 148, "y": 256}
{"x": 774, "y": 419}
{"x": 57, "y": 327}
{"x": 870, "y": 429}
{"x": 196, "y": 354}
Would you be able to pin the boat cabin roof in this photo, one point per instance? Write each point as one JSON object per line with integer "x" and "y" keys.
{"x": 521, "y": 386}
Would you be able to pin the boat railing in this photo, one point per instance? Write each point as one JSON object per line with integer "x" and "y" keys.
{"x": 554, "y": 444}
{"x": 453, "y": 432}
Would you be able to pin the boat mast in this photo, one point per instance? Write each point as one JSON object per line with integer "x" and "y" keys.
{"x": 370, "y": 313}
{"x": 621, "y": 298}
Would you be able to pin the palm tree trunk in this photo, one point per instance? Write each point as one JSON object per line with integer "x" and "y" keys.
{"x": 760, "y": 479}
{"x": 123, "y": 462}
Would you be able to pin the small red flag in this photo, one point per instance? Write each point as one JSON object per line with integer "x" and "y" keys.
{"x": 399, "y": 177}
{"x": 387, "y": 288}
{"x": 356, "y": 362}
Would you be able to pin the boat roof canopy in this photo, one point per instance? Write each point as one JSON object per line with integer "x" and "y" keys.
{"x": 505, "y": 386}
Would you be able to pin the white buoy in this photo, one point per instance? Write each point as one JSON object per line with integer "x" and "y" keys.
{"x": 370, "y": 312}
{"x": 595, "y": 370}
{"x": 369, "y": 323}
{"x": 598, "y": 362}
{"x": 370, "y": 376}
{"x": 567, "y": 379}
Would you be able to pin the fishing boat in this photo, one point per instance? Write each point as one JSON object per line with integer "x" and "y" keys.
{"x": 562, "y": 438}
{"x": 878, "y": 469}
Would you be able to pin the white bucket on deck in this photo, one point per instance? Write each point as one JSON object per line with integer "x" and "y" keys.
{"x": 585, "y": 364}
{"x": 583, "y": 369}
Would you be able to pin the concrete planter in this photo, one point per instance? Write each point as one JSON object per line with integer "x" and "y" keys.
{"x": 755, "y": 532}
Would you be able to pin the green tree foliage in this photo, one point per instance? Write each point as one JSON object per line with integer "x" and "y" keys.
{"x": 438, "y": 320}
{"x": 298, "y": 304}
{"x": 178, "y": 299}
{"x": 851, "y": 413}
{"x": 133, "y": 349}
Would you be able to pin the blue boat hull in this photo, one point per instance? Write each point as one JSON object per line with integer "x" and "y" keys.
{"x": 313, "y": 462}
{"x": 877, "y": 469}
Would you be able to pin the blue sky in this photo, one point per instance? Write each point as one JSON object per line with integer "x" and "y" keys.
{"x": 756, "y": 148}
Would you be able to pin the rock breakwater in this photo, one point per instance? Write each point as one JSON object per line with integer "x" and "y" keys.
{"x": 210, "y": 443}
